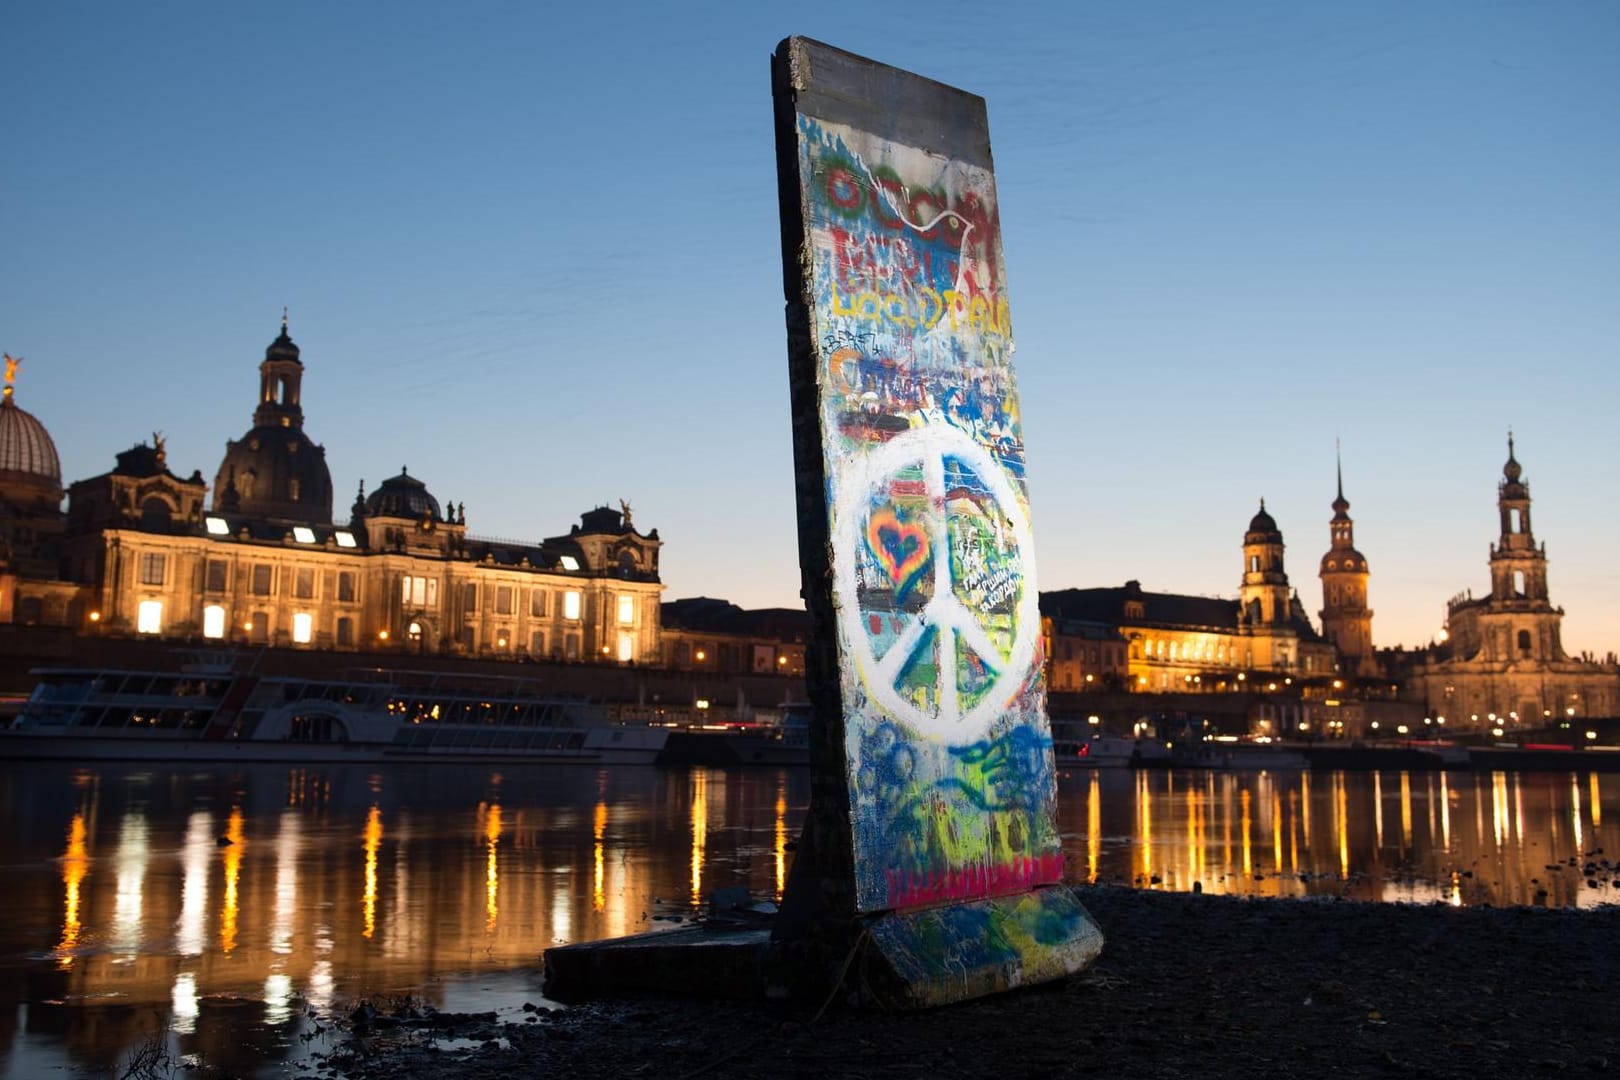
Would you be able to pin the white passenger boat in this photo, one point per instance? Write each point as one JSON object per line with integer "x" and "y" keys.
{"x": 225, "y": 711}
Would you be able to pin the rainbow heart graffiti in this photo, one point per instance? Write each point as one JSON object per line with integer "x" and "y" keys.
{"x": 902, "y": 548}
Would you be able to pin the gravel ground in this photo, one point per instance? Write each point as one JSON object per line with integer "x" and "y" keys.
{"x": 1187, "y": 986}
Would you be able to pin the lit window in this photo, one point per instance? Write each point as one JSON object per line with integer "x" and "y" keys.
{"x": 344, "y": 538}
{"x": 149, "y": 619}
{"x": 420, "y": 591}
{"x": 303, "y": 627}
{"x": 213, "y": 621}
{"x": 217, "y": 527}
{"x": 627, "y": 648}
{"x": 568, "y": 562}
{"x": 303, "y": 534}
{"x": 627, "y": 610}
{"x": 571, "y": 605}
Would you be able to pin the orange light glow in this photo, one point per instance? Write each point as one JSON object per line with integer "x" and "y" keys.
{"x": 233, "y": 870}
{"x": 700, "y": 831}
{"x": 75, "y": 864}
{"x": 492, "y": 878}
{"x": 598, "y": 860}
{"x": 373, "y": 841}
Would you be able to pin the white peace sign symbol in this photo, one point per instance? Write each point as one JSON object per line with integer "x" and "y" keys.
{"x": 944, "y": 613}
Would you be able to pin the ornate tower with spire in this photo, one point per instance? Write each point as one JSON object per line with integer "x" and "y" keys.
{"x": 275, "y": 472}
{"x": 1346, "y": 618}
{"x": 1501, "y": 662}
{"x": 1518, "y": 567}
{"x": 1265, "y": 584}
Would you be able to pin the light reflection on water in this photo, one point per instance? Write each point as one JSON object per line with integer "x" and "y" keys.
{"x": 1462, "y": 838}
{"x": 224, "y": 904}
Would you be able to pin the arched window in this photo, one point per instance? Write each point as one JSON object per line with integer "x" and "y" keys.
{"x": 1518, "y": 583}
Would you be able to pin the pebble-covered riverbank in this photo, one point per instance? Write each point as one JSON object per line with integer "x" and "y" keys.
{"x": 1189, "y": 985}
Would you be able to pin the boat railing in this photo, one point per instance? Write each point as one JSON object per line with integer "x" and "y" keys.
{"x": 448, "y": 683}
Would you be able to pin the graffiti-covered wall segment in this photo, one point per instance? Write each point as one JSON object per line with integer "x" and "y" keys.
{"x": 932, "y": 556}
{"x": 932, "y": 820}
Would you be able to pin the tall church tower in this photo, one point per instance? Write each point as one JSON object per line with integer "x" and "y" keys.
{"x": 1518, "y": 567}
{"x": 275, "y": 472}
{"x": 1264, "y": 596}
{"x": 1346, "y": 619}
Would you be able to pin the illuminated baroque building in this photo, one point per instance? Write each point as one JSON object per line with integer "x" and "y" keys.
{"x": 264, "y": 562}
{"x": 1502, "y": 662}
{"x": 1178, "y": 643}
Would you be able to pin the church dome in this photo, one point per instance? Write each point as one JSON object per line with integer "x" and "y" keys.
{"x": 275, "y": 471}
{"x": 26, "y": 449}
{"x": 282, "y": 348}
{"x": 1262, "y": 522}
{"x": 1342, "y": 560}
{"x": 402, "y": 496}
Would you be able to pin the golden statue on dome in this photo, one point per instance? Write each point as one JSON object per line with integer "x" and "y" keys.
{"x": 12, "y": 363}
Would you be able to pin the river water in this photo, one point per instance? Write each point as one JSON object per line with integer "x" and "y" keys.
{"x": 227, "y": 910}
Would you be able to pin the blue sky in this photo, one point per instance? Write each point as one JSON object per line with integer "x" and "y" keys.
{"x": 533, "y": 254}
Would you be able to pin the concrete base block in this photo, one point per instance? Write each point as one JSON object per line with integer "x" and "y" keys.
{"x": 690, "y": 961}
{"x": 936, "y": 956}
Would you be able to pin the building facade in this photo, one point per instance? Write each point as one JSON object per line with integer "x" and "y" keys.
{"x": 1502, "y": 663}
{"x": 1174, "y": 643}
{"x": 144, "y": 553}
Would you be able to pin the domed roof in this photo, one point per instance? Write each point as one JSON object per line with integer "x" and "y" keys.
{"x": 25, "y": 445}
{"x": 283, "y": 348}
{"x": 402, "y": 496}
{"x": 1262, "y": 522}
{"x": 275, "y": 472}
{"x": 1512, "y": 470}
{"x": 1342, "y": 560}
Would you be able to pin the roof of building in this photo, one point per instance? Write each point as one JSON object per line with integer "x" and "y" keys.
{"x": 1263, "y": 523}
{"x": 1159, "y": 609}
{"x": 705, "y": 614}
{"x": 25, "y": 446}
{"x": 403, "y": 496}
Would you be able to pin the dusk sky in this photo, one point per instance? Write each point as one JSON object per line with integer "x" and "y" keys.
{"x": 531, "y": 252}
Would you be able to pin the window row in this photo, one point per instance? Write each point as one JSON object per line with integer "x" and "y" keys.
{"x": 149, "y": 619}
{"x": 423, "y": 593}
